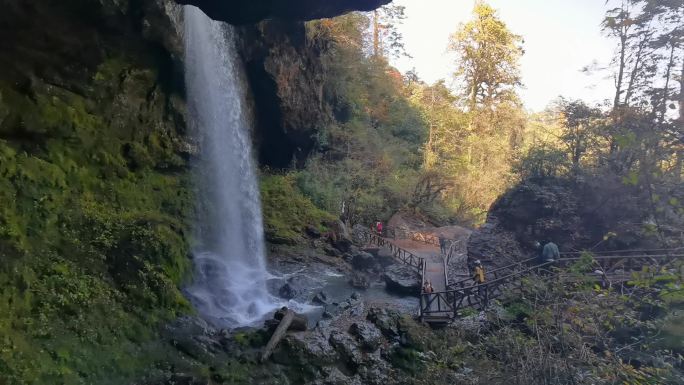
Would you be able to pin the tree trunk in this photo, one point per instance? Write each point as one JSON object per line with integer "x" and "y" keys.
{"x": 681, "y": 94}
{"x": 666, "y": 88}
{"x": 376, "y": 34}
{"x": 278, "y": 334}
{"x": 299, "y": 323}
{"x": 635, "y": 70}
{"x": 621, "y": 68}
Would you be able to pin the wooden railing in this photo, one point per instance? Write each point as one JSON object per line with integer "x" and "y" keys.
{"x": 400, "y": 254}
{"x": 464, "y": 293}
{"x": 461, "y": 294}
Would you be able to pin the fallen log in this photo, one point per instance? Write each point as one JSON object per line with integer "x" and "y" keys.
{"x": 299, "y": 322}
{"x": 286, "y": 317}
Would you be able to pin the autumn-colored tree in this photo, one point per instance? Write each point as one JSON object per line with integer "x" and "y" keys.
{"x": 488, "y": 54}
{"x": 386, "y": 40}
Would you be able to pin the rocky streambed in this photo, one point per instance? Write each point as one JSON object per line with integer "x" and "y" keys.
{"x": 360, "y": 304}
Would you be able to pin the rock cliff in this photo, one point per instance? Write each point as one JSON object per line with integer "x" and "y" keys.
{"x": 246, "y": 11}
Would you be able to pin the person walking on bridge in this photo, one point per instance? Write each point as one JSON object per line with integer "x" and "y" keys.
{"x": 550, "y": 252}
{"x": 479, "y": 273}
{"x": 378, "y": 227}
{"x": 442, "y": 245}
{"x": 479, "y": 278}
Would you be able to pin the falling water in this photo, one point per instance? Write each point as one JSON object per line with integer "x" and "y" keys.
{"x": 229, "y": 286}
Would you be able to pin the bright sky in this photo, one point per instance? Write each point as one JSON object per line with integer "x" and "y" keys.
{"x": 561, "y": 37}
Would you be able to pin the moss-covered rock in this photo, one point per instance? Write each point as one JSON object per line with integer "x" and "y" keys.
{"x": 96, "y": 199}
{"x": 287, "y": 212}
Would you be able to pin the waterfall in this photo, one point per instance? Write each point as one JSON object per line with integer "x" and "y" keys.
{"x": 229, "y": 285}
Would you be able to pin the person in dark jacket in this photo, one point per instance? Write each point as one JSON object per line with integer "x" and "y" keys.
{"x": 550, "y": 253}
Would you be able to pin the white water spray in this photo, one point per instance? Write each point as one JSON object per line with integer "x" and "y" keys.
{"x": 229, "y": 287}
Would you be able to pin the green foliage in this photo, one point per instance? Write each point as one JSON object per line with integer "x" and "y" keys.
{"x": 396, "y": 143}
{"x": 287, "y": 212}
{"x": 540, "y": 162}
{"x": 251, "y": 339}
{"x": 408, "y": 360}
{"x": 93, "y": 230}
{"x": 584, "y": 264}
{"x": 561, "y": 333}
{"x": 369, "y": 155}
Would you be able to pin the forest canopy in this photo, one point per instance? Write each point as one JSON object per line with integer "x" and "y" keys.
{"x": 448, "y": 150}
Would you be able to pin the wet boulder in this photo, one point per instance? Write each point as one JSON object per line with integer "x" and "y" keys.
{"x": 346, "y": 347}
{"x": 306, "y": 350}
{"x": 367, "y": 334}
{"x": 312, "y": 231}
{"x": 359, "y": 281}
{"x": 194, "y": 337}
{"x": 376, "y": 371}
{"x": 332, "y": 252}
{"x": 343, "y": 244}
{"x": 402, "y": 280}
{"x": 363, "y": 261}
{"x": 321, "y": 298}
{"x": 288, "y": 291}
{"x": 295, "y": 287}
{"x": 386, "y": 321}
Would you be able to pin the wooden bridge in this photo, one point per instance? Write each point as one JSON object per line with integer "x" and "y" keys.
{"x": 611, "y": 269}
{"x": 429, "y": 261}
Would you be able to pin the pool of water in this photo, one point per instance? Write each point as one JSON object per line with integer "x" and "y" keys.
{"x": 316, "y": 278}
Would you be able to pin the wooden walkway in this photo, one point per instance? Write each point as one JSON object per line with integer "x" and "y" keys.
{"x": 449, "y": 298}
{"x": 423, "y": 253}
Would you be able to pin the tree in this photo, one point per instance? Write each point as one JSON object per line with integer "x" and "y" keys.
{"x": 387, "y": 41}
{"x": 446, "y": 133}
{"x": 580, "y": 125}
{"x": 488, "y": 55}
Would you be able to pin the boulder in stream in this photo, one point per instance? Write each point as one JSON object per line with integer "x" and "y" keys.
{"x": 401, "y": 279}
{"x": 295, "y": 287}
{"x": 321, "y": 298}
{"x": 363, "y": 261}
{"x": 359, "y": 281}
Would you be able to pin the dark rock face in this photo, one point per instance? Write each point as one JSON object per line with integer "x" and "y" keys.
{"x": 402, "y": 280}
{"x": 246, "y": 11}
{"x": 194, "y": 337}
{"x": 285, "y": 76}
{"x": 574, "y": 214}
{"x": 376, "y": 371}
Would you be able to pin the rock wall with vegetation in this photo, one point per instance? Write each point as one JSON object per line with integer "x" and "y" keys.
{"x": 95, "y": 188}
{"x": 95, "y": 180}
